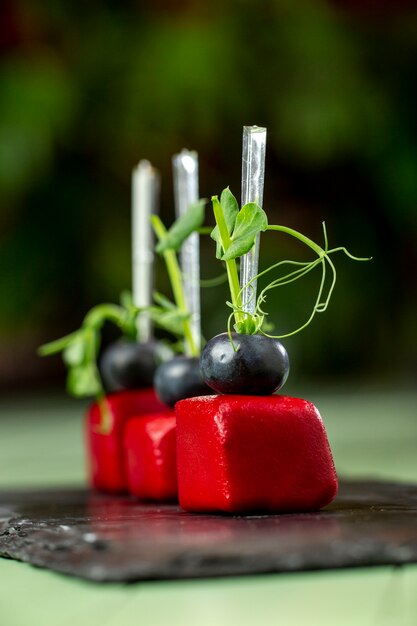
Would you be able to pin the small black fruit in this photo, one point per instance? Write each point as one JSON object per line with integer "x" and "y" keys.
{"x": 130, "y": 365}
{"x": 178, "y": 379}
{"x": 258, "y": 366}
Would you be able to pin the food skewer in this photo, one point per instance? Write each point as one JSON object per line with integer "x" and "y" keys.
{"x": 185, "y": 171}
{"x": 150, "y": 441}
{"x": 145, "y": 195}
{"x": 282, "y": 470}
{"x": 253, "y": 176}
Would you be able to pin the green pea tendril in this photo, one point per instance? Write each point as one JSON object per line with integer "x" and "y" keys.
{"x": 229, "y": 237}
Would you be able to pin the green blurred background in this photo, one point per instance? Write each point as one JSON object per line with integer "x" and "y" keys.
{"x": 88, "y": 89}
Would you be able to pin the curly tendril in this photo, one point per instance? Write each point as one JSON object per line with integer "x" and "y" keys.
{"x": 253, "y": 322}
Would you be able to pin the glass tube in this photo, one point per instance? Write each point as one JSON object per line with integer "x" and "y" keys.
{"x": 145, "y": 196}
{"x": 253, "y": 176}
{"x": 185, "y": 169}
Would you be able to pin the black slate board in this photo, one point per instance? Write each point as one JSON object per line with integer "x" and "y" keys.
{"x": 110, "y": 539}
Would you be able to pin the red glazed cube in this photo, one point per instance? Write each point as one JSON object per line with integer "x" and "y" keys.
{"x": 105, "y": 444}
{"x": 252, "y": 453}
{"x": 151, "y": 456}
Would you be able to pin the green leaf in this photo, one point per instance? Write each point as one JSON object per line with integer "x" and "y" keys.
{"x": 170, "y": 320}
{"x": 250, "y": 325}
{"x": 183, "y": 227}
{"x": 75, "y": 353}
{"x": 250, "y": 221}
{"x": 80, "y": 349}
{"x": 126, "y": 300}
{"x": 163, "y": 301}
{"x": 53, "y": 347}
{"x": 230, "y": 209}
{"x": 84, "y": 381}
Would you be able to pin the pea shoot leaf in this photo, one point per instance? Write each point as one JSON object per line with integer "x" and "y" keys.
{"x": 84, "y": 380}
{"x": 126, "y": 300}
{"x": 230, "y": 211}
{"x": 75, "y": 353}
{"x": 183, "y": 227}
{"x": 248, "y": 326}
{"x": 169, "y": 319}
{"x": 163, "y": 301}
{"x": 128, "y": 324}
{"x": 80, "y": 349}
{"x": 53, "y": 347}
{"x": 250, "y": 221}
{"x": 167, "y": 315}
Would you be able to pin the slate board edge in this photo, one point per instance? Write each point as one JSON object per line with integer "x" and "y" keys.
{"x": 175, "y": 575}
{"x": 179, "y": 569}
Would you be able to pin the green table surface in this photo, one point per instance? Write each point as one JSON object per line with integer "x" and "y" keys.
{"x": 373, "y": 435}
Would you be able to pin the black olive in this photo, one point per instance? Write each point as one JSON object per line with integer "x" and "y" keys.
{"x": 258, "y": 367}
{"x": 131, "y": 365}
{"x": 178, "y": 379}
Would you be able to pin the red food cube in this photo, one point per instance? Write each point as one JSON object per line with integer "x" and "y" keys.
{"x": 151, "y": 456}
{"x": 104, "y": 441}
{"x": 252, "y": 453}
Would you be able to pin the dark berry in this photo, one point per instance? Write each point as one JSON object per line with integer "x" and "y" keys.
{"x": 258, "y": 367}
{"x": 130, "y": 365}
{"x": 178, "y": 379}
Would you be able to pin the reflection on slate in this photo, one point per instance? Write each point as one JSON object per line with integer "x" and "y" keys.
{"x": 106, "y": 538}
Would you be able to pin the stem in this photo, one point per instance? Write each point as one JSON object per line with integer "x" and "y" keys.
{"x": 174, "y": 274}
{"x": 231, "y": 266}
{"x": 288, "y": 278}
{"x": 106, "y": 417}
{"x": 294, "y": 233}
{"x": 111, "y": 312}
{"x": 316, "y": 308}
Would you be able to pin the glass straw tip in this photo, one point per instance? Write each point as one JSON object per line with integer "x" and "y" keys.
{"x": 188, "y": 159}
{"x": 254, "y": 129}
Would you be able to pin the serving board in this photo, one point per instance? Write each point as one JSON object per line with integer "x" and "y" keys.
{"x": 114, "y": 539}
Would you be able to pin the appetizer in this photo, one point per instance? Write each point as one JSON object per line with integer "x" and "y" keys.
{"x": 150, "y": 441}
{"x": 120, "y": 379}
{"x": 248, "y": 450}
